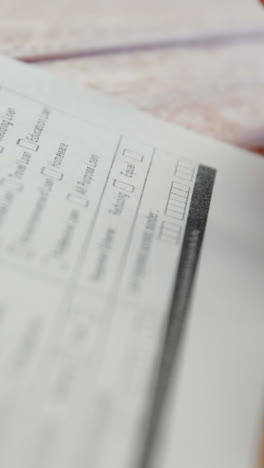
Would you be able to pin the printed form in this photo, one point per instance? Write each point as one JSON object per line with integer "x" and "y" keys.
{"x": 131, "y": 301}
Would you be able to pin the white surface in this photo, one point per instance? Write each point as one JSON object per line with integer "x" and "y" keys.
{"x": 63, "y": 353}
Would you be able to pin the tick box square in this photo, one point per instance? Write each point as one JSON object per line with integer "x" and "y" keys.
{"x": 123, "y": 186}
{"x": 52, "y": 173}
{"x": 134, "y": 155}
{"x": 77, "y": 199}
{"x": 28, "y": 145}
{"x": 14, "y": 184}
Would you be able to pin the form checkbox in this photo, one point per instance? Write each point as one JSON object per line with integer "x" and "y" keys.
{"x": 123, "y": 186}
{"x": 77, "y": 199}
{"x": 16, "y": 185}
{"x": 184, "y": 175}
{"x": 174, "y": 214}
{"x": 181, "y": 187}
{"x": 176, "y": 208}
{"x": 52, "y": 173}
{"x": 176, "y": 200}
{"x": 28, "y": 145}
{"x": 134, "y": 155}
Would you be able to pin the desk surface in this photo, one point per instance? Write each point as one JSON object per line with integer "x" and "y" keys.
{"x": 198, "y": 63}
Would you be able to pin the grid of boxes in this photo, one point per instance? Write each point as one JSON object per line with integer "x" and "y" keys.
{"x": 184, "y": 170}
{"x": 170, "y": 232}
{"x": 177, "y": 201}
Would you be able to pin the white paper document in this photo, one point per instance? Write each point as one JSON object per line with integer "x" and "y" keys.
{"x": 132, "y": 299}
